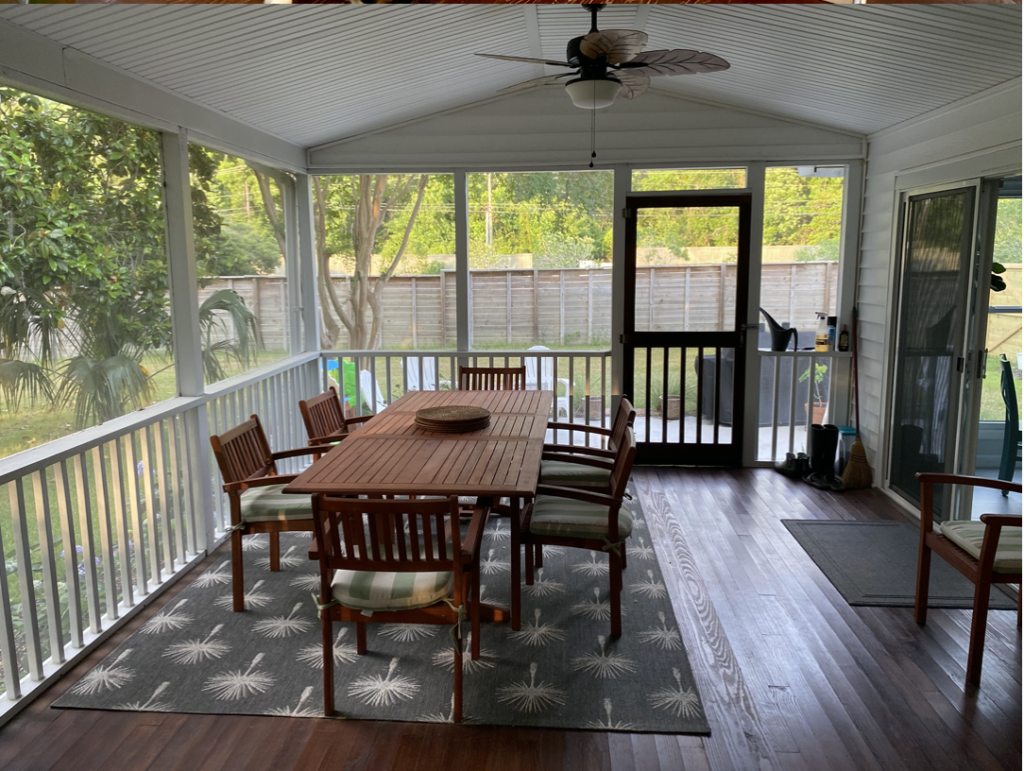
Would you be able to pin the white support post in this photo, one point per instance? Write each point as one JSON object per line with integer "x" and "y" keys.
{"x": 751, "y": 388}
{"x": 306, "y": 278}
{"x": 462, "y": 319}
{"x": 622, "y": 185}
{"x": 184, "y": 294}
{"x": 291, "y": 264}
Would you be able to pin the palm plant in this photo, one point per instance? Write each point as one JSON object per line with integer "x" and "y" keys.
{"x": 221, "y": 312}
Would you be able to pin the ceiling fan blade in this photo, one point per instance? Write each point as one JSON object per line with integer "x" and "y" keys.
{"x": 547, "y": 80}
{"x": 634, "y": 83}
{"x": 619, "y": 45}
{"x": 526, "y": 59}
{"x": 676, "y": 62}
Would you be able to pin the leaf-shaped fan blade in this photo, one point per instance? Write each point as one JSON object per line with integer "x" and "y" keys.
{"x": 676, "y": 62}
{"x": 634, "y": 83}
{"x": 547, "y": 80}
{"x": 552, "y": 62}
{"x": 619, "y": 45}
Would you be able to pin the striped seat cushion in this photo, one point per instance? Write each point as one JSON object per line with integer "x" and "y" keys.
{"x": 575, "y": 519}
{"x": 377, "y": 590}
{"x": 968, "y": 536}
{"x": 268, "y": 504}
{"x": 560, "y": 472}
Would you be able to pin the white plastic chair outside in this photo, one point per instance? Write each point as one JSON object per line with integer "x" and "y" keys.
{"x": 547, "y": 378}
{"x": 417, "y": 380}
{"x": 370, "y": 392}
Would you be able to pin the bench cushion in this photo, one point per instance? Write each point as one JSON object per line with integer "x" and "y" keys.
{"x": 377, "y": 590}
{"x": 567, "y": 518}
{"x": 565, "y": 474}
{"x": 968, "y": 536}
{"x": 269, "y": 504}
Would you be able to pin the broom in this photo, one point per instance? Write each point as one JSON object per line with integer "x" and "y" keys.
{"x": 857, "y": 473}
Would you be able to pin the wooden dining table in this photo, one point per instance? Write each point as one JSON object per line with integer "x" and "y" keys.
{"x": 392, "y": 455}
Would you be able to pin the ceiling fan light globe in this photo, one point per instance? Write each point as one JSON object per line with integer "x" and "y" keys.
{"x": 593, "y": 93}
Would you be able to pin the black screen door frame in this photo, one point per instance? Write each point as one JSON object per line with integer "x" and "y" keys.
{"x": 698, "y": 453}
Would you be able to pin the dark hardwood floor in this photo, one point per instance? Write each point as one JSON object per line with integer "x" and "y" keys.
{"x": 792, "y": 677}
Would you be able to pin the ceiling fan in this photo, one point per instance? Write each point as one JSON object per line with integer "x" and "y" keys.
{"x": 612, "y": 63}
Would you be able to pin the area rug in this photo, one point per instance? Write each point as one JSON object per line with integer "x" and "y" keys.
{"x": 560, "y": 671}
{"x": 875, "y": 563}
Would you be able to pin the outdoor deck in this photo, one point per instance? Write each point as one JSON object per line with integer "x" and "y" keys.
{"x": 791, "y": 676}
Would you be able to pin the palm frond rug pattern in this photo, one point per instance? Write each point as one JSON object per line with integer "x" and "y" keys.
{"x": 561, "y": 670}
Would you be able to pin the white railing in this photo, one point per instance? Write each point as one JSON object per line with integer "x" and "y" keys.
{"x": 373, "y": 379}
{"x": 105, "y": 519}
{"x": 791, "y": 383}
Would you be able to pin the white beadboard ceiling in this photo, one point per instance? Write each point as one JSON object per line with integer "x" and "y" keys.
{"x": 313, "y": 74}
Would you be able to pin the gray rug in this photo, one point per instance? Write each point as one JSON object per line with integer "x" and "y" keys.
{"x": 875, "y": 563}
{"x": 560, "y": 671}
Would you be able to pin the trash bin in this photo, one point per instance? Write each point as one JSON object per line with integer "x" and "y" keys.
{"x": 847, "y": 435}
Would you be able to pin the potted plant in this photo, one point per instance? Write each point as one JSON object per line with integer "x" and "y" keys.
{"x": 817, "y": 409}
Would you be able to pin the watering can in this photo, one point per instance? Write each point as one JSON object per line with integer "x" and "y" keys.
{"x": 780, "y": 335}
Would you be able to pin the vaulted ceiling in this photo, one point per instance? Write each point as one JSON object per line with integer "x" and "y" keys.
{"x": 312, "y": 74}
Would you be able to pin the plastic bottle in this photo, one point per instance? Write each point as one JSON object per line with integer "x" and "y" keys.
{"x": 844, "y": 340}
{"x": 831, "y": 333}
{"x": 821, "y": 335}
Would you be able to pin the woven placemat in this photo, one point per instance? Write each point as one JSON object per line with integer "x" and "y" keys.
{"x": 453, "y": 418}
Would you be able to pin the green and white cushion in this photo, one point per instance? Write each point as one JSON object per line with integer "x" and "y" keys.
{"x": 567, "y": 518}
{"x": 969, "y": 535}
{"x": 377, "y": 590}
{"x": 269, "y": 504}
{"x": 566, "y": 474}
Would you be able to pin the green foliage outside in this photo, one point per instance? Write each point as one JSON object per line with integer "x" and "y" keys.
{"x": 83, "y": 266}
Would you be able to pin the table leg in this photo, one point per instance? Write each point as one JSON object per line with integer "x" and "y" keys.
{"x": 514, "y": 502}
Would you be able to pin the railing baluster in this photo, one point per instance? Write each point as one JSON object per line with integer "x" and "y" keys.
{"x": 144, "y": 559}
{"x": 8, "y": 649}
{"x": 776, "y": 371}
{"x": 157, "y": 559}
{"x": 124, "y": 544}
{"x": 26, "y": 583}
{"x": 792, "y": 402}
{"x": 48, "y": 566}
{"x": 67, "y": 536}
{"x": 664, "y": 396}
{"x": 184, "y": 531}
{"x": 85, "y": 524}
{"x": 99, "y": 471}
{"x": 604, "y": 392}
{"x": 169, "y": 521}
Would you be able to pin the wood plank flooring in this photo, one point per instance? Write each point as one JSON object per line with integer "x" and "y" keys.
{"x": 793, "y": 678}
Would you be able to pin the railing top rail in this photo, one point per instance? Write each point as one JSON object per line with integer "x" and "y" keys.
{"x": 457, "y": 354}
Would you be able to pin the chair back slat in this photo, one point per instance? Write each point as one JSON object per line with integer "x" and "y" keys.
{"x": 386, "y": 535}
{"x": 243, "y": 452}
{"x": 623, "y": 466}
{"x": 492, "y": 378}
{"x": 623, "y": 419}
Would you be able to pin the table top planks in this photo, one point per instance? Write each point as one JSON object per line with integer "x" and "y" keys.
{"x": 391, "y": 455}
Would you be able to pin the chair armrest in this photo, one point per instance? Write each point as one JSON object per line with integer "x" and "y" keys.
{"x": 582, "y": 427}
{"x": 245, "y": 484}
{"x": 579, "y": 450}
{"x": 577, "y": 459}
{"x": 579, "y": 494}
{"x": 329, "y": 439}
{"x": 293, "y": 453}
{"x": 358, "y": 419}
{"x": 1002, "y": 520}
{"x": 475, "y": 532}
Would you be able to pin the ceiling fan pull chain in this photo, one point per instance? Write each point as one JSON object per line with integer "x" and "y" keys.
{"x": 593, "y": 136}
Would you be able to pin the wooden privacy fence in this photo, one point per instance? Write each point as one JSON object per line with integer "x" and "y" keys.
{"x": 561, "y": 306}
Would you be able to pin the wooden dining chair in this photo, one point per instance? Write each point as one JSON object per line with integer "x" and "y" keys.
{"x": 492, "y": 378}
{"x": 985, "y": 552}
{"x": 397, "y": 561}
{"x": 254, "y": 489}
{"x": 325, "y": 421}
{"x": 583, "y": 519}
{"x": 574, "y": 465}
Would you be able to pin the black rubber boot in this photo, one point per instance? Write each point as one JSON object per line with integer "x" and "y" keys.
{"x": 830, "y": 443}
{"x": 816, "y": 445}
